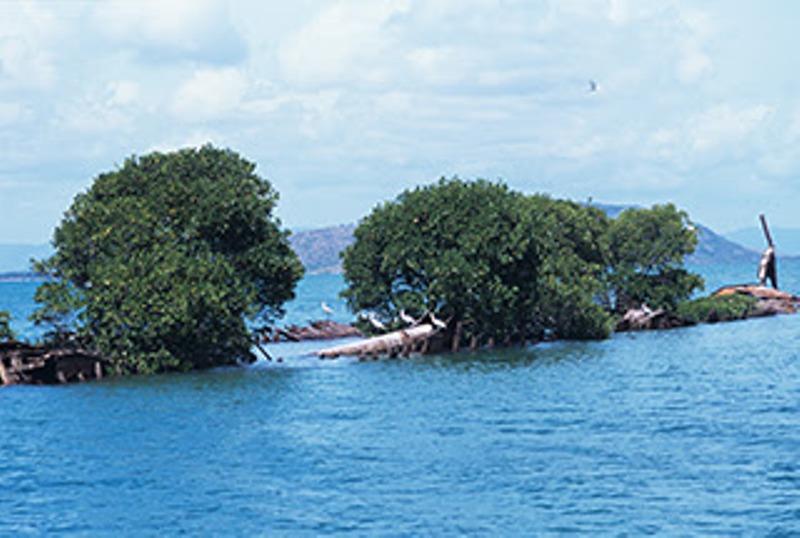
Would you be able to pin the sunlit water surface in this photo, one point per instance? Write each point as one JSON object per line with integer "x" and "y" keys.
{"x": 691, "y": 431}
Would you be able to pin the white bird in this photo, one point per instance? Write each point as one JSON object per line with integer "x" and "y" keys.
{"x": 375, "y": 322}
{"x": 439, "y": 323}
{"x": 406, "y": 318}
{"x": 325, "y": 308}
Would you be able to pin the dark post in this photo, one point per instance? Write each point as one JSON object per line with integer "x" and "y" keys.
{"x": 766, "y": 229}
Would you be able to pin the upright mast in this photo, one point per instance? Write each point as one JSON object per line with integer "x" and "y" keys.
{"x": 765, "y": 228}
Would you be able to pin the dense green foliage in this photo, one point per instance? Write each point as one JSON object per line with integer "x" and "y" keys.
{"x": 512, "y": 267}
{"x": 5, "y": 326}
{"x": 161, "y": 262}
{"x": 646, "y": 252}
{"x": 720, "y": 308}
{"x": 478, "y": 253}
{"x": 573, "y": 257}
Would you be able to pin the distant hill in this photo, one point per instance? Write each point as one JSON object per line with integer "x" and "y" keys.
{"x": 319, "y": 249}
{"x": 712, "y": 248}
{"x": 787, "y": 240}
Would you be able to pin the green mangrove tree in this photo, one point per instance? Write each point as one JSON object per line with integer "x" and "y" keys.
{"x": 503, "y": 266}
{"x": 508, "y": 267}
{"x": 159, "y": 264}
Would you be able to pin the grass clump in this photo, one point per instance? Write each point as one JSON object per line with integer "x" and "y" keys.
{"x": 717, "y": 308}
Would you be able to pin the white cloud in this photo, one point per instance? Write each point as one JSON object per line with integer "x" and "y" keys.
{"x": 723, "y": 125}
{"x": 719, "y": 132}
{"x": 123, "y": 92}
{"x": 210, "y": 94}
{"x": 199, "y": 30}
{"x": 112, "y": 108}
{"x": 408, "y": 90}
{"x": 88, "y": 117}
{"x": 440, "y": 65}
{"x": 11, "y": 113}
{"x": 618, "y": 11}
{"x": 194, "y": 139}
{"x": 693, "y": 62}
{"x": 28, "y": 32}
{"x": 347, "y": 40}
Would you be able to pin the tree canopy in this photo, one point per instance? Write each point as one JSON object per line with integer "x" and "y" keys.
{"x": 514, "y": 267}
{"x": 479, "y": 254}
{"x": 646, "y": 250}
{"x": 161, "y": 262}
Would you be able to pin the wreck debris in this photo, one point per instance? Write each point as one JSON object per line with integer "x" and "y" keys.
{"x": 315, "y": 330}
{"x": 769, "y": 301}
{"x": 22, "y": 363}
{"x": 646, "y": 319}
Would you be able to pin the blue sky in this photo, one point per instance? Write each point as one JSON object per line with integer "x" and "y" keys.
{"x": 345, "y": 103}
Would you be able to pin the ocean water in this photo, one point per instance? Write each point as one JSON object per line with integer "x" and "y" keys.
{"x": 691, "y": 431}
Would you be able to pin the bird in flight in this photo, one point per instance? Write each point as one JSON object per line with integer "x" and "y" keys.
{"x": 592, "y": 86}
{"x": 325, "y": 308}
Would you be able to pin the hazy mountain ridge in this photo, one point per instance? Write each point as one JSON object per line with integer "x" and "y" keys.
{"x": 712, "y": 248}
{"x": 319, "y": 249}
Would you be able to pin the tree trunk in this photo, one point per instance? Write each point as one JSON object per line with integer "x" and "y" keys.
{"x": 457, "y": 337}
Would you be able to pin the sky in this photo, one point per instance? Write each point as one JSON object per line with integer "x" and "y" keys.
{"x": 344, "y": 103}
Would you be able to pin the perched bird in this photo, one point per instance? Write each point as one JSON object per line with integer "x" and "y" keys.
{"x": 375, "y": 322}
{"x": 325, "y": 308}
{"x": 406, "y": 318}
{"x": 438, "y": 323}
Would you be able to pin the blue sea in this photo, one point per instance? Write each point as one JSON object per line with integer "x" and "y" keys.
{"x": 688, "y": 432}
